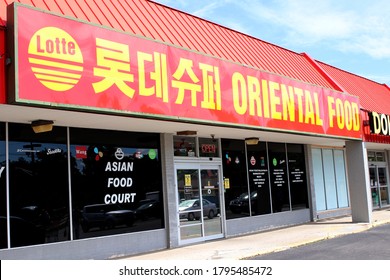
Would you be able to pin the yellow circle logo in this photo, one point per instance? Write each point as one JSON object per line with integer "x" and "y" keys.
{"x": 55, "y": 58}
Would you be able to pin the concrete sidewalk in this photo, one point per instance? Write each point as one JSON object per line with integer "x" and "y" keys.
{"x": 266, "y": 242}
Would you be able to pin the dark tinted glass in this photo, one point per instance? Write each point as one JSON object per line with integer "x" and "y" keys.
{"x": 278, "y": 175}
{"x": 3, "y": 193}
{"x": 297, "y": 176}
{"x": 184, "y": 146}
{"x": 38, "y": 186}
{"x": 116, "y": 182}
{"x": 266, "y": 168}
{"x": 258, "y": 178}
{"x": 235, "y": 178}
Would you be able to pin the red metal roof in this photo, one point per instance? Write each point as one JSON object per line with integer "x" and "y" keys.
{"x": 373, "y": 96}
{"x": 165, "y": 24}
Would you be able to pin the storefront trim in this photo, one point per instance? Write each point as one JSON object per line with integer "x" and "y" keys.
{"x": 332, "y": 213}
{"x": 358, "y": 181}
{"x": 107, "y": 247}
{"x": 236, "y": 227}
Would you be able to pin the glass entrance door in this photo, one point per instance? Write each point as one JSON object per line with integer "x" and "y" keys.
{"x": 199, "y": 202}
{"x": 379, "y": 186}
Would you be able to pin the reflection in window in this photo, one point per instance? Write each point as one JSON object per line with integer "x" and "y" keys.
{"x": 116, "y": 182}
{"x": 184, "y": 146}
{"x": 188, "y": 184}
{"x": 275, "y": 175}
{"x": 38, "y": 184}
{"x": 235, "y": 178}
{"x": 329, "y": 178}
{"x": 258, "y": 179}
{"x": 380, "y": 156}
{"x": 371, "y": 156}
{"x": 376, "y": 156}
{"x": 330, "y": 183}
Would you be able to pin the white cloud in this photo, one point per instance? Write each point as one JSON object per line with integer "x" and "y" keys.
{"x": 346, "y": 26}
{"x": 199, "y": 8}
{"x": 209, "y": 8}
{"x": 311, "y": 21}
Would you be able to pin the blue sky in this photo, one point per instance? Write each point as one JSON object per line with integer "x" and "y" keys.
{"x": 353, "y": 35}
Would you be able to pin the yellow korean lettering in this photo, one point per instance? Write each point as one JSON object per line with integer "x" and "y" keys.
{"x": 143, "y": 58}
{"x": 211, "y": 87}
{"x": 159, "y": 85}
{"x": 161, "y": 76}
{"x": 186, "y": 67}
{"x": 113, "y": 66}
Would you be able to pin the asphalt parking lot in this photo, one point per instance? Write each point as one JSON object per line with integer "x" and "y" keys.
{"x": 373, "y": 244}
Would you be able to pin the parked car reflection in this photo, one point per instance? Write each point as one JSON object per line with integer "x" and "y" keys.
{"x": 190, "y": 209}
{"x": 23, "y": 233}
{"x": 105, "y": 216}
{"x": 38, "y": 216}
{"x": 50, "y": 224}
{"x": 241, "y": 203}
{"x": 149, "y": 208}
{"x": 213, "y": 199}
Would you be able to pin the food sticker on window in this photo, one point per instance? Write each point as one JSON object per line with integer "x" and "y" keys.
{"x": 187, "y": 179}
{"x": 119, "y": 154}
{"x": 152, "y": 154}
{"x": 226, "y": 183}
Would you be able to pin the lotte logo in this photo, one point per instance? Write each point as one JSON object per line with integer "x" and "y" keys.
{"x": 55, "y": 58}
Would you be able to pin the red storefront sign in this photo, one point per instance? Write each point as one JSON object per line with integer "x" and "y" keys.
{"x": 376, "y": 127}
{"x": 2, "y": 66}
{"x": 70, "y": 64}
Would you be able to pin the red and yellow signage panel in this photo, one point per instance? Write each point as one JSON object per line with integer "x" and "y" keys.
{"x": 67, "y": 63}
{"x": 2, "y": 67}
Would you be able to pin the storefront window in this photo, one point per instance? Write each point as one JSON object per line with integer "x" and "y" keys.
{"x": 330, "y": 184}
{"x": 278, "y": 174}
{"x": 297, "y": 176}
{"x": 376, "y": 156}
{"x": 258, "y": 179}
{"x": 184, "y": 146}
{"x": 371, "y": 156}
{"x": 235, "y": 178}
{"x": 330, "y": 179}
{"x": 272, "y": 173}
{"x": 38, "y": 186}
{"x": 380, "y": 156}
{"x": 341, "y": 179}
{"x": 116, "y": 182}
{"x": 3, "y": 192}
{"x": 379, "y": 185}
